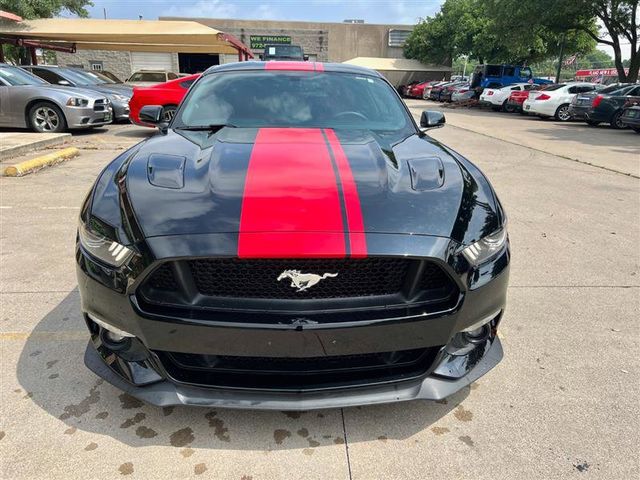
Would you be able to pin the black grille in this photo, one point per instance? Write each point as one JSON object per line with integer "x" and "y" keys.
{"x": 259, "y": 278}
{"x": 296, "y": 373}
{"x": 163, "y": 278}
{"x": 100, "y": 105}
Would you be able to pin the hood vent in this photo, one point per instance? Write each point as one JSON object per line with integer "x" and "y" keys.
{"x": 166, "y": 171}
{"x": 426, "y": 173}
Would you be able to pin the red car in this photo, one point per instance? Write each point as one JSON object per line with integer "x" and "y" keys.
{"x": 415, "y": 91}
{"x": 517, "y": 98}
{"x": 168, "y": 94}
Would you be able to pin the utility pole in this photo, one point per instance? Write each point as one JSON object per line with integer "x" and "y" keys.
{"x": 104, "y": 11}
{"x": 564, "y": 37}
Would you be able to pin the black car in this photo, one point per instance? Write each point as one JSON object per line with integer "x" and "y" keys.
{"x": 631, "y": 117}
{"x": 306, "y": 246}
{"x": 119, "y": 95}
{"x": 606, "y": 105}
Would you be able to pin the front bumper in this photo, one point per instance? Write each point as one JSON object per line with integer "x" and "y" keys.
{"x": 87, "y": 117}
{"x": 120, "y": 110}
{"x": 483, "y": 294}
{"x": 165, "y": 393}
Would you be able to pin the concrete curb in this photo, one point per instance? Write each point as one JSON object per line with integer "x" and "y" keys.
{"x": 35, "y": 164}
{"x": 22, "y": 148}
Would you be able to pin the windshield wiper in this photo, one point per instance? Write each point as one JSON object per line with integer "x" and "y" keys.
{"x": 213, "y": 128}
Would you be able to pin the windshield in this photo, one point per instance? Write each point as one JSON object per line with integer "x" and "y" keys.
{"x": 93, "y": 77}
{"x": 283, "y": 51}
{"x": 78, "y": 78}
{"x": 555, "y": 86}
{"x": 16, "y": 76}
{"x": 157, "y": 77}
{"x": 293, "y": 99}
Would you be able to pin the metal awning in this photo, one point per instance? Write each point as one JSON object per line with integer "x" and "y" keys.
{"x": 129, "y": 35}
{"x": 396, "y": 64}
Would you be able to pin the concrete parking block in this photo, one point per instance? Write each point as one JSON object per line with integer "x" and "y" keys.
{"x": 14, "y": 144}
{"x": 39, "y": 162}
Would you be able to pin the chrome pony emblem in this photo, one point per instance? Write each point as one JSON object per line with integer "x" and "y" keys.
{"x": 303, "y": 281}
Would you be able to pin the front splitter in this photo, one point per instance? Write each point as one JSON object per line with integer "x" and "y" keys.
{"x": 166, "y": 393}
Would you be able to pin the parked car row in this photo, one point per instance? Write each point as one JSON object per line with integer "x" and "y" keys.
{"x": 49, "y": 98}
{"x": 593, "y": 103}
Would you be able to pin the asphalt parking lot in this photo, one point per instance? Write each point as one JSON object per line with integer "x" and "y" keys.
{"x": 562, "y": 404}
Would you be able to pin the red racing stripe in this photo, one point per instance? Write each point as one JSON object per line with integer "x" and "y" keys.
{"x": 353, "y": 210}
{"x": 291, "y": 206}
{"x": 276, "y": 65}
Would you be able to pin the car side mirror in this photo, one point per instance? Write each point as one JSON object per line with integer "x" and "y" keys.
{"x": 151, "y": 114}
{"x": 306, "y": 58}
{"x": 64, "y": 82}
{"x": 431, "y": 119}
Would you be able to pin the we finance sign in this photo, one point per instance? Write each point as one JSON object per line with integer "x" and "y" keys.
{"x": 257, "y": 42}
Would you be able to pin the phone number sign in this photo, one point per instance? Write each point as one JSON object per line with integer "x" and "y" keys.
{"x": 259, "y": 41}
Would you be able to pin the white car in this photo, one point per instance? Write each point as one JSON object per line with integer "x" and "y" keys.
{"x": 554, "y": 100}
{"x": 148, "y": 78}
{"x": 497, "y": 97}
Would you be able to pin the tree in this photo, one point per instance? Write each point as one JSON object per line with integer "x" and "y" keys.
{"x": 45, "y": 8}
{"x": 608, "y": 22}
{"x": 477, "y": 28}
{"x": 29, "y": 9}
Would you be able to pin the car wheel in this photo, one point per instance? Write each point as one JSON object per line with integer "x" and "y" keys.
{"x": 508, "y": 108}
{"x": 616, "y": 121}
{"x": 562, "y": 113}
{"x": 168, "y": 111}
{"x": 45, "y": 117}
{"x": 592, "y": 123}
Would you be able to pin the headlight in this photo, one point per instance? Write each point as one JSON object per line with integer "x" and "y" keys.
{"x": 104, "y": 249}
{"x": 487, "y": 247}
{"x": 77, "y": 102}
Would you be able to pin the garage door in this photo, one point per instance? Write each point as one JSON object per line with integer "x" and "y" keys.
{"x": 151, "y": 61}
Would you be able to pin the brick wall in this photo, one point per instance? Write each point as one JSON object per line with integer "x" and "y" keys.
{"x": 118, "y": 63}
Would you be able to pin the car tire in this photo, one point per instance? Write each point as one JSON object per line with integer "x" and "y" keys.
{"x": 46, "y": 117}
{"x": 616, "y": 121}
{"x": 592, "y": 123}
{"x": 562, "y": 113}
{"x": 508, "y": 108}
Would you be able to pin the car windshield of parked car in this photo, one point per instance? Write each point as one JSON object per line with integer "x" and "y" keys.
{"x": 93, "y": 77}
{"x": 614, "y": 88}
{"x": 556, "y": 86}
{"x": 157, "y": 77}
{"x": 16, "y": 76}
{"x": 78, "y": 78}
{"x": 294, "y": 99}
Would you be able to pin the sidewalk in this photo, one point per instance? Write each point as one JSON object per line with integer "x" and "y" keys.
{"x": 14, "y": 144}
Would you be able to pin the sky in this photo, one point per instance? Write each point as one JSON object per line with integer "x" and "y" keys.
{"x": 371, "y": 11}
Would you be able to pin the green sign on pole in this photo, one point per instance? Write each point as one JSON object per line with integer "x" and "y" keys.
{"x": 257, "y": 42}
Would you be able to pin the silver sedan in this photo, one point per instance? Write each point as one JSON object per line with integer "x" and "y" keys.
{"x": 28, "y": 101}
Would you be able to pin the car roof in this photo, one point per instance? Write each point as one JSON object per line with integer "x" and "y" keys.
{"x": 291, "y": 66}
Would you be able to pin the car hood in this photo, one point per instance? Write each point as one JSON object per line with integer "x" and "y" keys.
{"x": 305, "y": 180}
{"x": 111, "y": 89}
{"x": 70, "y": 91}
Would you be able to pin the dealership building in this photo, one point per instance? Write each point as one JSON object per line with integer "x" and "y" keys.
{"x": 324, "y": 42}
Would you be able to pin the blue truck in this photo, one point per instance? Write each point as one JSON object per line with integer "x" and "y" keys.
{"x": 496, "y": 76}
